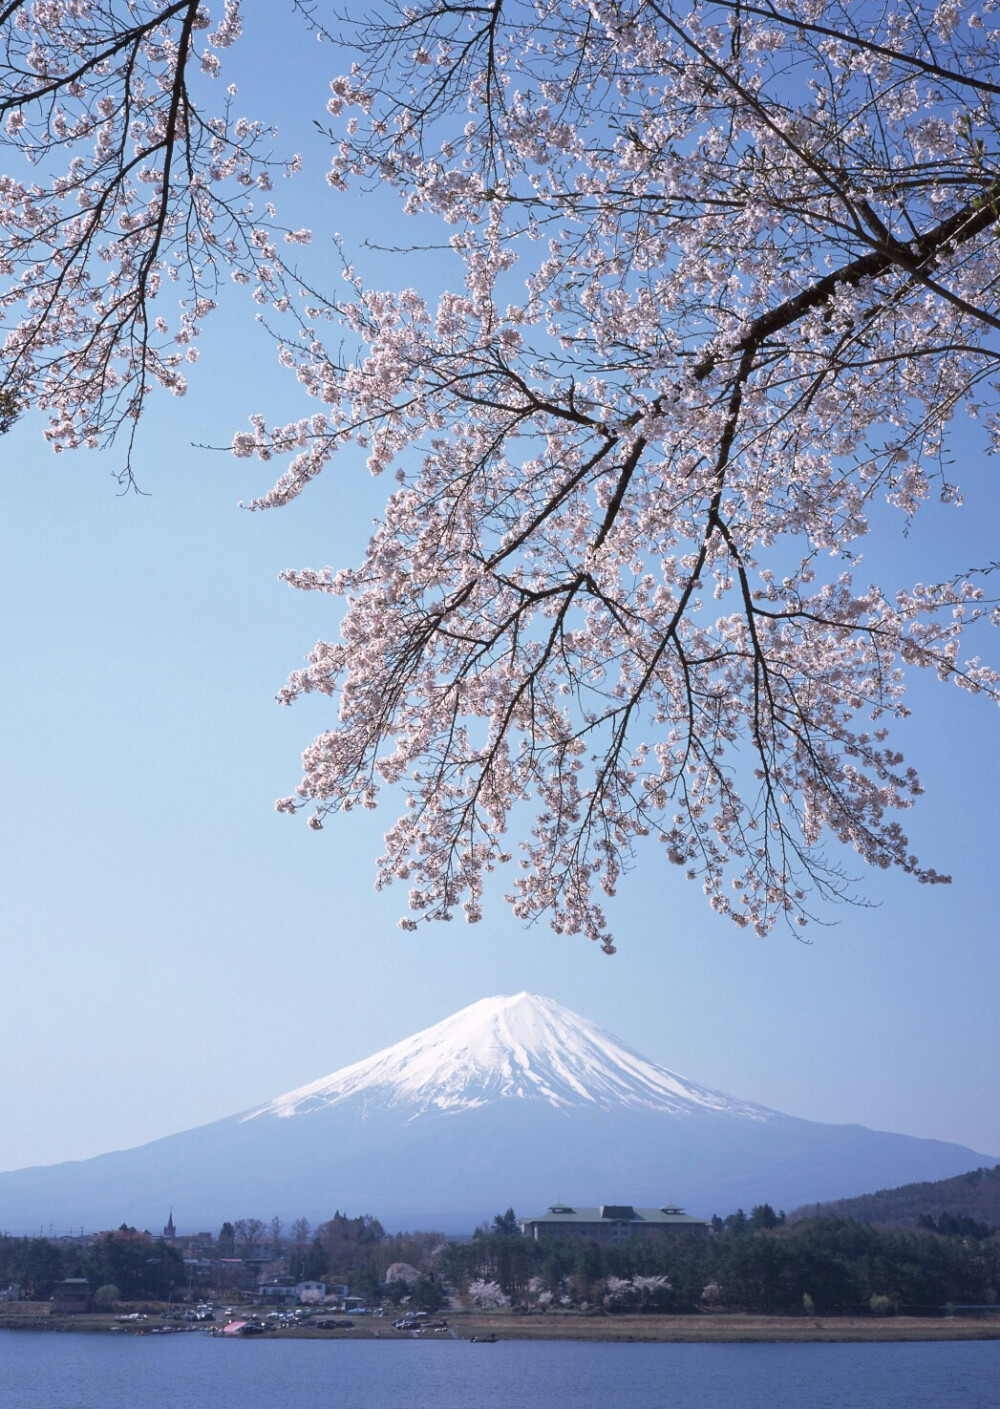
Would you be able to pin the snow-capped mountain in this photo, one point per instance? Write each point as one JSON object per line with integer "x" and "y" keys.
{"x": 510, "y": 1102}
{"x": 520, "y": 1048}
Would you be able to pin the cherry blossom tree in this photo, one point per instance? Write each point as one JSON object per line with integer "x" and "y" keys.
{"x": 118, "y": 187}
{"x": 487, "y": 1296}
{"x": 725, "y": 278}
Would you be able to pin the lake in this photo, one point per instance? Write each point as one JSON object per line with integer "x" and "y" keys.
{"x": 46, "y": 1370}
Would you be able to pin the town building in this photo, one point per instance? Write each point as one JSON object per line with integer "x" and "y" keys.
{"x": 610, "y": 1223}
{"x": 282, "y": 1291}
{"x": 70, "y": 1296}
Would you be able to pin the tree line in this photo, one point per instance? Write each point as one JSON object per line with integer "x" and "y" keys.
{"x": 756, "y": 1262}
{"x": 353, "y": 1250}
{"x": 128, "y": 1261}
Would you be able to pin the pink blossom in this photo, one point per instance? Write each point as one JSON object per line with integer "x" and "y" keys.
{"x": 721, "y": 283}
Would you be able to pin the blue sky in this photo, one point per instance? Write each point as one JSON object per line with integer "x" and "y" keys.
{"x": 174, "y": 951}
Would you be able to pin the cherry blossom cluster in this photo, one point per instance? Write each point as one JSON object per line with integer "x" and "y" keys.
{"x": 727, "y": 277}
{"x": 631, "y": 1291}
{"x": 124, "y": 204}
{"x": 487, "y": 1295}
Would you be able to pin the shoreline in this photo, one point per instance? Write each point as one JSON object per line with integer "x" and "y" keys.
{"x": 736, "y": 1329}
{"x": 695, "y": 1329}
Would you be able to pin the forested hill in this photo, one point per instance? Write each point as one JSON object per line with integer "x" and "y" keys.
{"x": 975, "y": 1195}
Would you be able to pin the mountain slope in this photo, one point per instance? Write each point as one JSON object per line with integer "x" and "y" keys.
{"x": 975, "y": 1195}
{"x": 513, "y": 1101}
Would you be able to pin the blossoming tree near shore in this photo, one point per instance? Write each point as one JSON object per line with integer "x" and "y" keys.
{"x": 725, "y": 276}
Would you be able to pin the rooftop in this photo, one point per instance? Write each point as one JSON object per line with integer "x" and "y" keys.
{"x": 613, "y": 1213}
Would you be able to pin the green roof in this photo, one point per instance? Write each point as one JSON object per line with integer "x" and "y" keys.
{"x": 558, "y": 1214}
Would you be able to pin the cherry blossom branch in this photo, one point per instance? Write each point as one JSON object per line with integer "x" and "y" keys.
{"x": 725, "y": 276}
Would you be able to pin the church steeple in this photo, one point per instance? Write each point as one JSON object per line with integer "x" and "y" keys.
{"x": 169, "y": 1231}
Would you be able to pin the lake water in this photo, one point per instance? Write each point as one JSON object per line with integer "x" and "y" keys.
{"x": 47, "y": 1370}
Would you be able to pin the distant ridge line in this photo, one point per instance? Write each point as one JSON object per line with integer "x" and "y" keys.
{"x": 975, "y": 1195}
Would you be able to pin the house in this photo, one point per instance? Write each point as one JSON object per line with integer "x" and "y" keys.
{"x": 70, "y": 1297}
{"x": 233, "y": 1272}
{"x": 611, "y": 1223}
{"x": 282, "y": 1291}
{"x": 311, "y": 1293}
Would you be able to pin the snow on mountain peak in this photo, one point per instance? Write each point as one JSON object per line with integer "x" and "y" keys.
{"x": 507, "y": 1048}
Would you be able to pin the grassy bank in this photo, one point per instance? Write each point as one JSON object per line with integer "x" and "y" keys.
{"x": 715, "y": 1328}
{"x": 728, "y": 1329}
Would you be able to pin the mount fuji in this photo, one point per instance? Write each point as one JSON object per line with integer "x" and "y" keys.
{"x": 510, "y": 1102}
